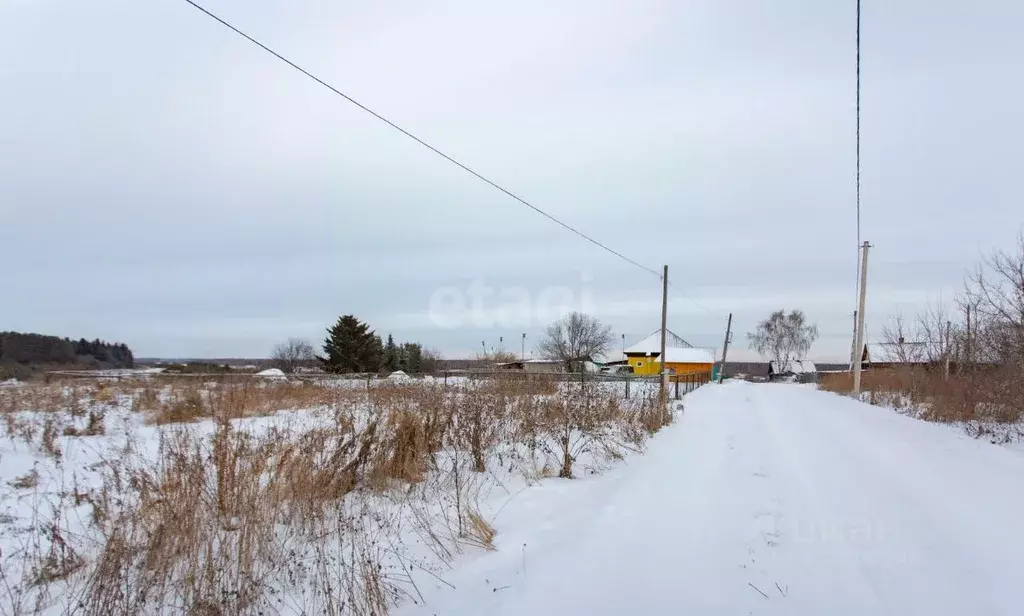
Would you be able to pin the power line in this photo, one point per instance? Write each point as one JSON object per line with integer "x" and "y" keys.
{"x": 858, "y": 122}
{"x": 858, "y": 150}
{"x": 418, "y": 140}
{"x": 691, "y": 300}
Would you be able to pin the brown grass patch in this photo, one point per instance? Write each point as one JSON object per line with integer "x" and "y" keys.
{"x": 28, "y": 481}
{"x": 979, "y": 395}
{"x": 231, "y": 522}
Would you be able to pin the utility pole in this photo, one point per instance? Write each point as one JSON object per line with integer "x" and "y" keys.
{"x": 522, "y": 355}
{"x": 946, "y": 348}
{"x": 860, "y": 318}
{"x": 853, "y": 342}
{"x": 623, "y": 344}
{"x": 664, "y": 324}
{"x": 967, "y": 356}
{"x": 725, "y": 349}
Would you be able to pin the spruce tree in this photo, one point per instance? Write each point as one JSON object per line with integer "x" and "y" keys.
{"x": 351, "y": 346}
{"x": 412, "y": 357}
{"x": 391, "y": 359}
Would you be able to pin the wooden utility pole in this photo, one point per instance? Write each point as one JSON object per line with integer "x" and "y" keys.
{"x": 860, "y": 318}
{"x": 725, "y": 349}
{"x": 664, "y": 324}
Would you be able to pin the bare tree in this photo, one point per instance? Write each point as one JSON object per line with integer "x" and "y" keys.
{"x": 937, "y": 332}
{"x": 292, "y": 354}
{"x": 899, "y": 343}
{"x": 575, "y": 338}
{"x": 431, "y": 360}
{"x": 783, "y": 337}
{"x": 996, "y": 294}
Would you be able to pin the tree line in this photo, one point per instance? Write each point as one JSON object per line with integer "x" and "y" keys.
{"x": 21, "y": 352}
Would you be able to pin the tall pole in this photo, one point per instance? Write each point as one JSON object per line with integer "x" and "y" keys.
{"x": 860, "y": 317}
{"x": 725, "y": 349}
{"x": 522, "y": 355}
{"x": 664, "y": 325}
{"x": 853, "y": 340}
{"x": 967, "y": 355}
{"x": 947, "y": 348}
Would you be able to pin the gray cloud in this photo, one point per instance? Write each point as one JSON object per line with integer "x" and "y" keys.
{"x": 164, "y": 183}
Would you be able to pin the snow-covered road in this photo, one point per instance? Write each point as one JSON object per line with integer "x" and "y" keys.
{"x": 764, "y": 499}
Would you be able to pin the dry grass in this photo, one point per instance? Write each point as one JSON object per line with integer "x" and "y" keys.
{"x": 295, "y": 517}
{"x": 28, "y": 481}
{"x": 479, "y": 531}
{"x": 983, "y": 395}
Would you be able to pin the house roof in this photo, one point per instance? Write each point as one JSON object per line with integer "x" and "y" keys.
{"x": 674, "y": 355}
{"x": 532, "y": 360}
{"x": 896, "y": 352}
{"x": 796, "y": 366}
{"x": 652, "y": 344}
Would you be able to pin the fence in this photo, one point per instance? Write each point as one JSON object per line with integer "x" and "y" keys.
{"x": 632, "y": 385}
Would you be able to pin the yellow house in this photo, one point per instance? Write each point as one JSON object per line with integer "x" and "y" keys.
{"x": 680, "y": 356}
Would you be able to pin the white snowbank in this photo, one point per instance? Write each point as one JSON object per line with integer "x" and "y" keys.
{"x": 272, "y": 372}
{"x": 398, "y": 375}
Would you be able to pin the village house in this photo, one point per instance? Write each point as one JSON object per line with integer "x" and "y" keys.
{"x": 681, "y": 357}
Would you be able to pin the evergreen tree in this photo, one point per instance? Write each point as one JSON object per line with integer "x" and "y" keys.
{"x": 351, "y": 346}
{"x": 391, "y": 356}
{"x": 412, "y": 357}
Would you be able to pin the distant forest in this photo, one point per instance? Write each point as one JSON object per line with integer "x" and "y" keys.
{"x": 20, "y": 353}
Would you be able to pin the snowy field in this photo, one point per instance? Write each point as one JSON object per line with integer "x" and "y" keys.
{"x": 765, "y": 499}
{"x": 758, "y": 499}
{"x": 130, "y": 498}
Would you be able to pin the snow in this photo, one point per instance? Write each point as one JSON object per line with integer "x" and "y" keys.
{"x": 652, "y": 343}
{"x": 894, "y": 353}
{"x": 272, "y": 372}
{"x": 688, "y": 356}
{"x": 10, "y": 383}
{"x": 824, "y": 504}
{"x": 796, "y": 366}
{"x": 763, "y": 499}
{"x": 398, "y": 375}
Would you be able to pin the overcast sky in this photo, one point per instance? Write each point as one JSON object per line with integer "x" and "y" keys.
{"x": 167, "y": 184}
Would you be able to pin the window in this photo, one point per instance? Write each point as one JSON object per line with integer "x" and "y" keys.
{"x": 639, "y": 364}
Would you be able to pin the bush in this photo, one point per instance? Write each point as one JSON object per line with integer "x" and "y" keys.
{"x": 992, "y": 394}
